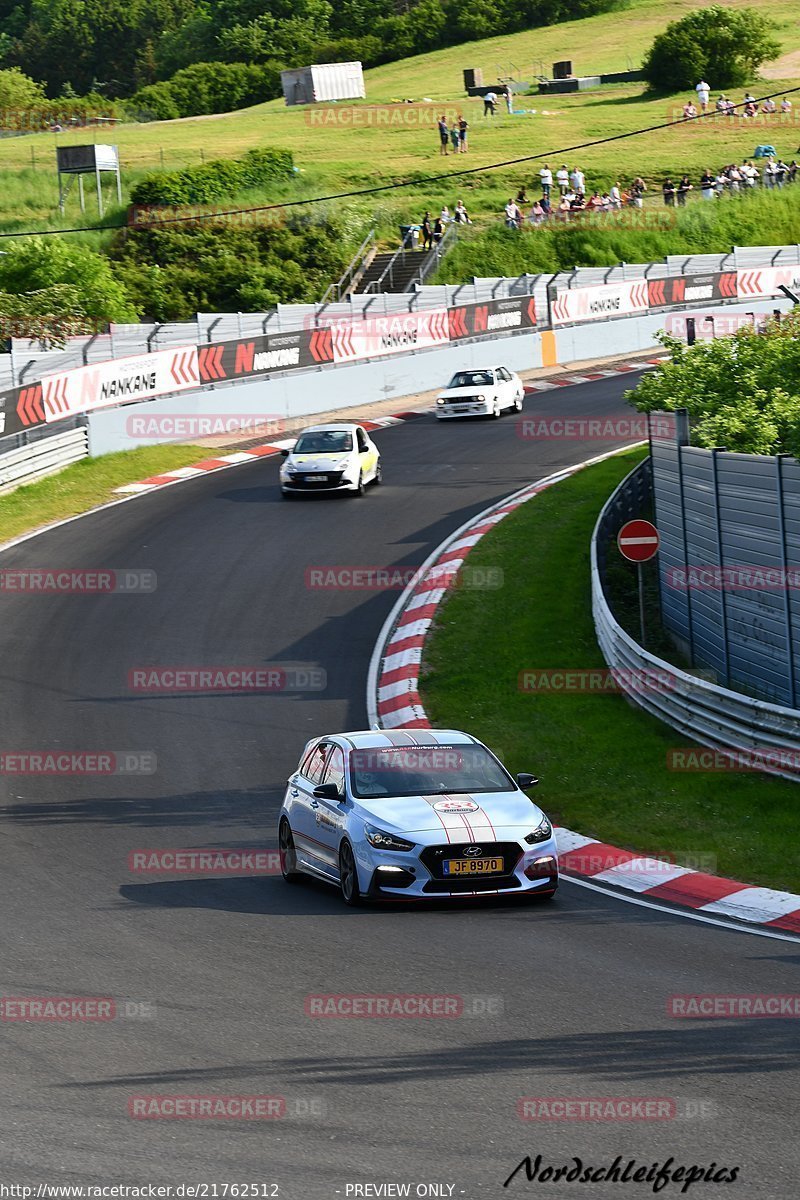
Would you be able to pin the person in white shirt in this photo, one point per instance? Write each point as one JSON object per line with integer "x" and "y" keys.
{"x": 489, "y": 101}
{"x": 615, "y": 196}
{"x": 444, "y": 215}
{"x": 460, "y": 214}
{"x": 546, "y": 176}
{"x": 703, "y": 92}
{"x": 786, "y": 105}
{"x": 513, "y": 214}
{"x": 562, "y": 179}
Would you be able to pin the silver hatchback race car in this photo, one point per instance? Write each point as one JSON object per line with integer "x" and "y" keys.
{"x": 414, "y": 815}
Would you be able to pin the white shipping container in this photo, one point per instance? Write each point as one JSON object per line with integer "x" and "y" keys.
{"x": 324, "y": 81}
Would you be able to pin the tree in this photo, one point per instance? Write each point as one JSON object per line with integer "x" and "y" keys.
{"x": 725, "y": 46}
{"x": 742, "y": 393}
{"x": 18, "y": 91}
{"x": 38, "y": 263}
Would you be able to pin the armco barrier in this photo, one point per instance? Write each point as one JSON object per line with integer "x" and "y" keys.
{"x": 33, "y": 461}
{"x": 702, "y": 711}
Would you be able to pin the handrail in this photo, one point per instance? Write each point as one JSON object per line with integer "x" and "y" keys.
{"x": 403, "y": 249}
{"x": 427, "y": 261}
{"x": 345, "y": 283}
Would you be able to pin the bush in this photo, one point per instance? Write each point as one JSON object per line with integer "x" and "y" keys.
{"x": 45, "y": 264}
{"x": 218, "y": 266}
{"x": 218, "y": 180}
{"x": 722, "y": 45}
{"x": 742, "y": 392}
{"x": 208, "y": 88}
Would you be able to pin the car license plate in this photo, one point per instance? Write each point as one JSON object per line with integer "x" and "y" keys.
{"x": 472, "y": 866}
{"x": 319, "y": 478}
{"x": 463, "y": 407}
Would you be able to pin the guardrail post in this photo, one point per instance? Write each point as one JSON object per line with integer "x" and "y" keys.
{"x": 787, "y": 606}
{"x": 722, "y": 600}
{"x": 212, "y": 327}
{"x": 153, "y": 334}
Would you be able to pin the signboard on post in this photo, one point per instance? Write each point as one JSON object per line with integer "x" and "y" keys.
{"x": 638, "y": 541}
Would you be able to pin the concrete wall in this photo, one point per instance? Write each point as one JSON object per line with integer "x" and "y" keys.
{"x": 321, "y": 390}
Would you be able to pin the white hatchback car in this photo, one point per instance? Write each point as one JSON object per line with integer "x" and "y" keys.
{"x": 331, "y": 458}
{"x": 484, "y": 393}
{"x": 414, "y": 814}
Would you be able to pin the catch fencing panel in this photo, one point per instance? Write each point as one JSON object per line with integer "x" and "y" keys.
{"x": 729, "y": 563}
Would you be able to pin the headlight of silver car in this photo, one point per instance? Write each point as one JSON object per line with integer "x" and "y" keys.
{"x": 382, "y": 840}
{"x": 541, "y": 833}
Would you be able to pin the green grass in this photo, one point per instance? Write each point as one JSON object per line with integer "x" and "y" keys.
{"x": 602, "y": 762}
{"x": 343, "y": 156}
{"x": 88, "y": 483}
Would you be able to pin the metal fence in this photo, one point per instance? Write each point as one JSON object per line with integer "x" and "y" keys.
{"x": 729, "y": 562}
{"x": 27, "y": 362}
{"x": 35, "y": 459}
{"x": 767, "y": 734}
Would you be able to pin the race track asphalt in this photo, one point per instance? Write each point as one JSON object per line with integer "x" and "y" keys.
{"x": 210, "y": 974}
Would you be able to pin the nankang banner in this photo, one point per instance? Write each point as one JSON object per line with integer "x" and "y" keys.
{"x": 493, "y": 316}
{"x": 692, "y": 289}
{"x": 596, "y": 303}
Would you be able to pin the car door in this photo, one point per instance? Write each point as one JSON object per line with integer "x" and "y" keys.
{"x": 505, "y": 387}
{"x": 302, "y": 810}
{"x": 367, "y": 454}
{"x": 329, "y": 815}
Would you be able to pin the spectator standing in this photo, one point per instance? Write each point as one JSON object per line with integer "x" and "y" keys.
{"x": 578, "y": 180}
{"x": 707, "y": 185}
{"x": 444, "y": 135}
{"x": 513, "y": 214}
{"x": 463, "y": 130}
{"x": 454, "y": 138}
{"x": 703, "y": 92}
{"x": 489, "y": 101}
{"x": 426, "y": 232}
{"x": 615, "y": 196}
{"x": 749, "y": 173}
{"x": 669, "y": 193}
{"x": 781, "y": 173}
{"x": 684, "y": 187}
{"x": 546, "y": 177}
{"x": 438, "y": 231}
{"x": 562, "y": 179}
{"x": 768, "y": 173}
{"x": 638, "y": 189}
{"x": 509, "y": 99}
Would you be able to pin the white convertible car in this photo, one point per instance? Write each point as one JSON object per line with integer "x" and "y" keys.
{"x": 331, "y": 458}
{"x": 414, "y": 814}
{"x": 485, "y": 393}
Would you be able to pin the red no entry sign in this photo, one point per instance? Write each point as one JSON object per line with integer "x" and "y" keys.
{"x": 638, "y": 541}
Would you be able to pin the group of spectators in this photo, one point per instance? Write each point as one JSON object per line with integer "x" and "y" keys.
{"x": 564, "y": 194}
{"x": 775, "y": 173}
{"x": 748, "y": 107}
{"x": 431, "y": 229}
{"x": 454, "y": 135}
